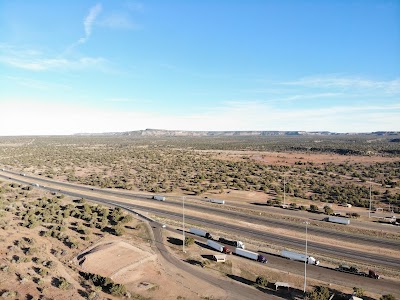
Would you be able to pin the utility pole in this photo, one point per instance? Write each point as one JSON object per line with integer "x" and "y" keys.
{"x": 305, "y": 263}
{"x": 183, "y": 224}
{"x": 370, "y": 196}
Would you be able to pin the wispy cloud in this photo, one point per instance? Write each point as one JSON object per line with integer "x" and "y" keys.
{"x": 36, "y": 84}
{"x": 120, "y": 20}
{"x": 343, "y": 82}
{"x": 89, "y": 20}
{"x": 36, "y": 61}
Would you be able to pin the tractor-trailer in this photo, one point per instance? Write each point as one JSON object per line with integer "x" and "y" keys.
{"x": 300, "y": 257}
{"x": 339, "y": 220}
{"x": 159, "y": 198}
{"x": 237, "y": 244}
{"x": 218, "y": 247}
{"x": 200, "y": 232}
{"x": 216, "y": 201}
{"x": 251, "y": 255}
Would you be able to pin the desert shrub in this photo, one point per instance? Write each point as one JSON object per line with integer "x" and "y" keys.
{"x": 63, "y": 284}
{"x": 8, "y": 294}
{"x": 262, "y": 281}
{"x": 43, "y": 271}
{"x": 189, "y": 241}
{"x": 387, "y": 297}
{"x": 106, "y": 284}
{"x": 314, "y": 208}
{"x": 359, "y": 292}
{"x": 118, "y": 230}
{"x": 328, "y": 210}
{"x": 319, "y": 293}
{"x": 117, "y": 289}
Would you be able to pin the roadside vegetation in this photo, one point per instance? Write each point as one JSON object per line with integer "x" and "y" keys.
{"x": 40, "y": 233}
{"x": 187, "y": 165}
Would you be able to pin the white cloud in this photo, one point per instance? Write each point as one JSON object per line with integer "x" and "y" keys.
{"x": 36, "y": 84}
{"x": 118, "y": 21}
{"x": 332, "y": 81}
{"x": 42, "y": 63}
{"x": 89, "y": 20}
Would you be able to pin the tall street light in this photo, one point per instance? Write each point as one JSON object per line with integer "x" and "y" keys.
{"x": 305, "y": 263}
{"x": 370, "y": 187}
{"x": 284, "y": 189}
{"x": 183, "y": 224}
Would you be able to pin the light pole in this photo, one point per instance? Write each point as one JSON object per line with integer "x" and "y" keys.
{"x": 284, "y": 189}
{"x": 369, "y": 213}
{"x": 183, "y": 224}
{"x": 305, "y": 263}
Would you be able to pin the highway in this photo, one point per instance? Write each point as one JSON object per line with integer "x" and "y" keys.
{"x": 321, "y": 273}
{"x": 269, "y": 237}
{"x": 250, "y": 218}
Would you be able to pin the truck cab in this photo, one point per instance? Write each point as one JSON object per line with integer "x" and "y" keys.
{"x": 262, "y": 259}
{"x": 373, "y": 274}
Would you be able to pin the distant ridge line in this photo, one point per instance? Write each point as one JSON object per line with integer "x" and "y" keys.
{"x": 163, "y": 132}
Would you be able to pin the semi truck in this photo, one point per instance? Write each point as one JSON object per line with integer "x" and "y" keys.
{"x": 338, "y": 220}
{"x": 300, "y": 257}
{"x": 216, "y": 201}
{"x": 252, "y": 255}
{"x": 201, "y": 232}
{"x": 159, "y": 198}
{"x": 218, "y": 247}
{"x": 355, "y": 271}
{"x": 237, "y": 244}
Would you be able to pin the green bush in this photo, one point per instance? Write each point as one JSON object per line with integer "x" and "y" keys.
{"x": 189, "y": 241}
{"x": 262, "y": 281}
{"x": 319, "y": 293}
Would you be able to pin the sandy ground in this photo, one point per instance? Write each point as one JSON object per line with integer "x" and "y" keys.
{"x": 289, "y": 158}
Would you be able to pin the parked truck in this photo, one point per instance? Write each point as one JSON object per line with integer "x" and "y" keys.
{"x": 300, "y": 257}
{"x": 201, "y": 232}
{"x": 237, "y": 244}
{"x": 344, "y": 221}
{"x": 216, "y": 201}
{"x": 159, "y": 198}
{"x": 251, "y": 255}
{"x": 355, "y": 271}
{"x": 218, "y": 247}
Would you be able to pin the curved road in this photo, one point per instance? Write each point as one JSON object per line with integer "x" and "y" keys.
{"x": 328, "y": 275}
{"x": 354, "y": 238}
{"x": 314, "y": 247}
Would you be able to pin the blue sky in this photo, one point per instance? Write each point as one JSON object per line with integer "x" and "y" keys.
{"x": 101, "y": 66}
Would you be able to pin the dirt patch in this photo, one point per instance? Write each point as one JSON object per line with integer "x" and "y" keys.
{"x": 112, "y": 259}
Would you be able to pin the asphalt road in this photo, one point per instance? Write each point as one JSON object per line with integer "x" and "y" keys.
{"x": 329, "y": 250}
{"x": 325, "y": 274}
{"x": 312, "y": 230}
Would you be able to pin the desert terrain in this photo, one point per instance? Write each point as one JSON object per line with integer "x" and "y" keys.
{"x": 56, "y": 246}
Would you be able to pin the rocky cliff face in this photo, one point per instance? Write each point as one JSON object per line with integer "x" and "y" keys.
{"x": 162, "y": 132}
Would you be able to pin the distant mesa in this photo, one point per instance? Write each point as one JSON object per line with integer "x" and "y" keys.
{"x": 163, "y": 132}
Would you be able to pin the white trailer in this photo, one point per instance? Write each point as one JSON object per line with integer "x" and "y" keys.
{"x": 35, "y": 184}
{"x": 219, "y": 257}
{"x": 300, "y": 257}
{"x": 200, "y": 232}
{"x": 159, "y": 198}
{"x": 216, "y": 201}
{"x": 251, "y": 255}
{"x": 218, "y": 247}
{"x": 339, "y": 220}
